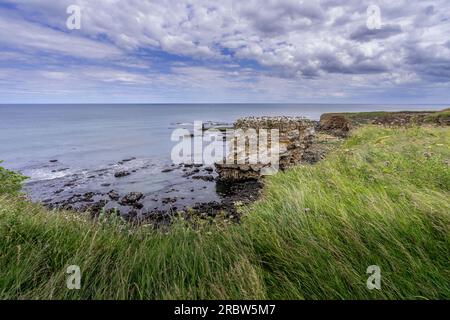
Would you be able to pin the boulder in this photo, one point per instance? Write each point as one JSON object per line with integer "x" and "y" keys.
{"x": 113, "y": 195}
{"x": 131, "y": 198}
{"x": 204, "y": 178}
{"x": 120, "y": 174}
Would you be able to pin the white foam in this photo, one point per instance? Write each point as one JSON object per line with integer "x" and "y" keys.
{"x": 45, "y": 174}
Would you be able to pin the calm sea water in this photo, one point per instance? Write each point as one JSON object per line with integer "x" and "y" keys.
{"x": 86, "y": 139}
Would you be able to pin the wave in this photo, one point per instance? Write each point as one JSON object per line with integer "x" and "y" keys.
{"x": 43, "y": 174}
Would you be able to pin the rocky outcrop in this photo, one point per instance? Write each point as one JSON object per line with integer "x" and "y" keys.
{"x": 336, "y": 125}
{"x": 121, "y": 174}
{"x": 132, "y": 199}
{"x": 339, "y": 123}
{"x": 295, "y": 136}
{"x": 113, "y": 195}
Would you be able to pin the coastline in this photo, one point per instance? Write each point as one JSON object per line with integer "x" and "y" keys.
{"x": 160, "y": 208}
{"x": 380, "y": 197}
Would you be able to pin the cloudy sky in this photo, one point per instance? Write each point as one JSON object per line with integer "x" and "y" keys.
{"x": 153, "y": 51}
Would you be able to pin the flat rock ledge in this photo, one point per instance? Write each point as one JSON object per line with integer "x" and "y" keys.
{"x": 296, "y": 135}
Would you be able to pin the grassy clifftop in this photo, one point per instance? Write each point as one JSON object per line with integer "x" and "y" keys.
{"x": 394, "y": 118}
{"x": 380, "y": 199}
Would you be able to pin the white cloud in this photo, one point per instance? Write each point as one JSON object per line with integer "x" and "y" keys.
{"x": 28, "y": 36}
{"x": 286, "y": 45}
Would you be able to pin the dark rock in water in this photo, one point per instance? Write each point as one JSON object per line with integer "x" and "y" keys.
{"x": 204, "y": 178}
{"x": 138, "y": 205}
{"x": 190, "y": 173}
{"x": 59, "y": 191}
{"x": 53, "y": 161}
{"x": 131, "y": 199}
{"x": 190, "y": 165}
{"x": 88, "y": 195}
{"x": 167, "y": 170}
{"x": 120, "y": 174}
{"x": 113, "y": 195}
{"x": 209, "y": 169}
{"x": 106, "y": 184}
{"x": 169, "y": 200}
{"x": 126, "y": 160}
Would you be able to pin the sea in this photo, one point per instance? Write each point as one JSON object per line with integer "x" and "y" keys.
{"x": 67, "y": 149}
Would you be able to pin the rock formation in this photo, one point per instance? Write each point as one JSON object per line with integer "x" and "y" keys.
{"x": 295, "y": 136}
{"x": 336, "y": 125}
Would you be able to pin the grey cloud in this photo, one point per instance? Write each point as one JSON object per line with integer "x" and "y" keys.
{"x": 330, "y": 63}
{"x": 364, "y": 34}
{"x": 431, "y": 62}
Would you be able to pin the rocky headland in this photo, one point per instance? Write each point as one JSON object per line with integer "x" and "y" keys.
{"x": 301, "y": 141}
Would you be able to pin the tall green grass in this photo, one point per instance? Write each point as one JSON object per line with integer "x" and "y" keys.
{"x": 380, "y": 199}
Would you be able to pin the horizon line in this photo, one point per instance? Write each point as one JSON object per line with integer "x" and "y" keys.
{"x": 221, "y": 103}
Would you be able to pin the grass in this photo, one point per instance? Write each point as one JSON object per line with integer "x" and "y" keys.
{"x": 439, "y": 117}
{"x": 379, "y": 199}
{"x": 414, "y": 117}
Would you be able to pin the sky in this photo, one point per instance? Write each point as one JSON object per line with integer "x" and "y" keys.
{"x": 227, "y": 51}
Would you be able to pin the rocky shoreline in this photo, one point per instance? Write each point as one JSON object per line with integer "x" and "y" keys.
{"x": 305, "y": 146}
{"x": 302, "y": 141}
{"x": 130, "y": 206}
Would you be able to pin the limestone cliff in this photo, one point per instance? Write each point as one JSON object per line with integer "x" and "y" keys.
{"x": 295, "y": 136}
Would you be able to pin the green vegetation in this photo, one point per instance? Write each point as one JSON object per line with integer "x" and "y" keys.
{"x": 399, "y": 118}
{"x": 379, "y": 199}
{"x": 10, "y": 181}
{"x": 442, "y": 117}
